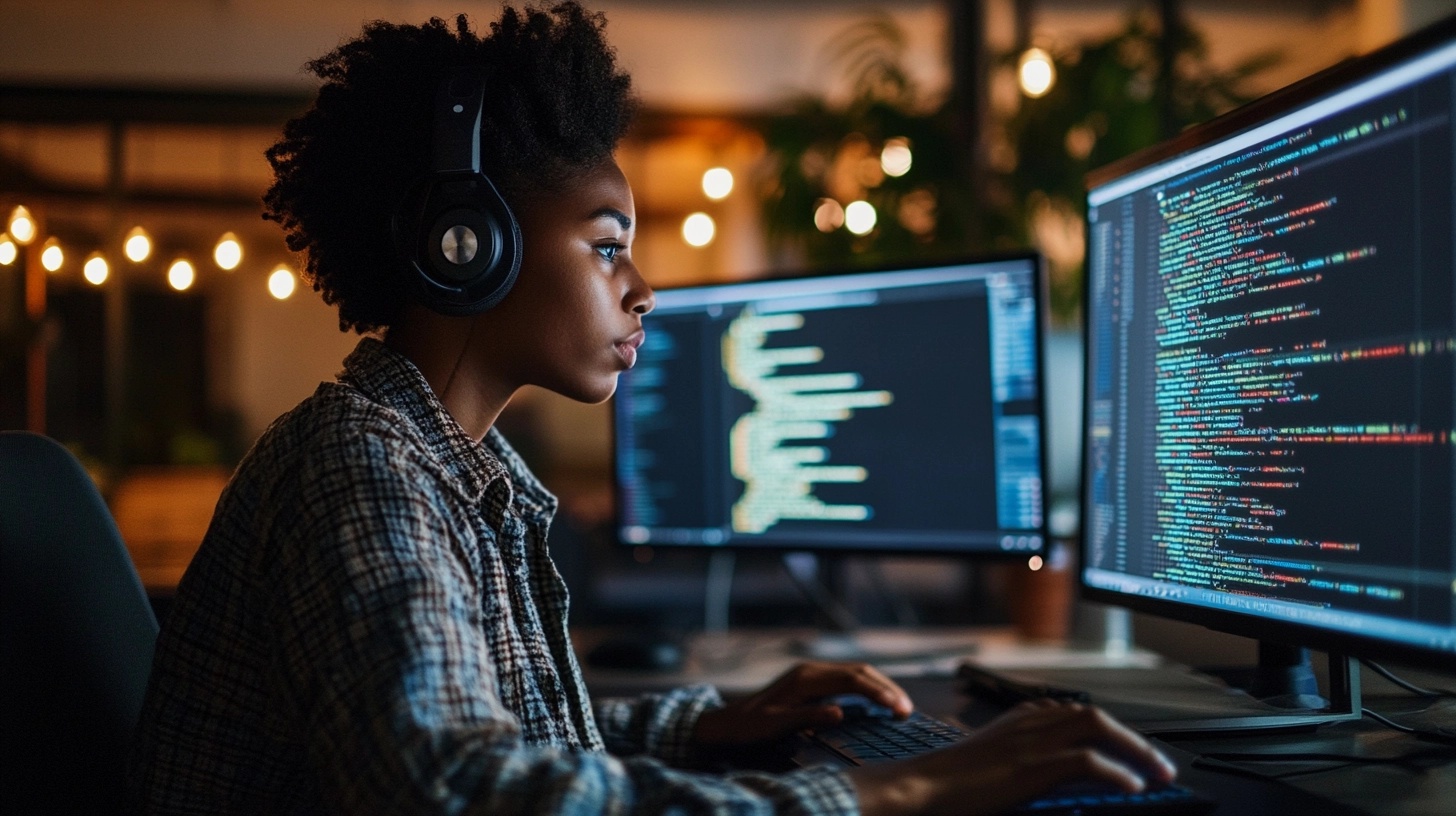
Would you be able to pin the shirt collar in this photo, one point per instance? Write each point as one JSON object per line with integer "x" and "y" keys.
{"x": 391, "y": 379}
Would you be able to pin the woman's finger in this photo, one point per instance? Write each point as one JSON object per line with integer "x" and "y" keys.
{"x": 824, "y": 679}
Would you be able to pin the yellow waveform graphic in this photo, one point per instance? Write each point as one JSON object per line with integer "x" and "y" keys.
{"x": 779, "y": 479}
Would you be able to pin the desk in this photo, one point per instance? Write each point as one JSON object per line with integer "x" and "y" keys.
{"x": 743, "y": 661}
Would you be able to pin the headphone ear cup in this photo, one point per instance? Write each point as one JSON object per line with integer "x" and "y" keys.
{"x": 454, "y": 233}
{"x": 461, "y": 245}
{"x": 459, "y": 242}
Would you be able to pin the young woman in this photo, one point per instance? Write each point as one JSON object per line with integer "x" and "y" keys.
{"x": 373, "y": 624}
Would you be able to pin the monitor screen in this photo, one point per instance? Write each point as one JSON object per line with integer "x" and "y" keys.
{"x": 1270, "y": 301}
{"x": 886, "y": 411}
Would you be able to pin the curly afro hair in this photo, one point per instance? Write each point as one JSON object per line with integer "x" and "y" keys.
{"x": 556, "y": 106}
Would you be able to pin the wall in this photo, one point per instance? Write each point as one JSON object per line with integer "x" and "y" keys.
{"x": 280, "y": 350}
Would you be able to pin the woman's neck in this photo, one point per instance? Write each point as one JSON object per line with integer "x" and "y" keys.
{"x": 441, "y": 348}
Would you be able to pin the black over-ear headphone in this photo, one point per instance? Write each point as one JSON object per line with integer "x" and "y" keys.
{"x": 458, "y": 239}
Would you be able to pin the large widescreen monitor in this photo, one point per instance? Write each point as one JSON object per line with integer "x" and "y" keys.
{"x": 888, "y": 411}
{"x": 1270, "y": 357}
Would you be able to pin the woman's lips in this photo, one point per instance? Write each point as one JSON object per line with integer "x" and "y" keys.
{"x": 627, "y": 349}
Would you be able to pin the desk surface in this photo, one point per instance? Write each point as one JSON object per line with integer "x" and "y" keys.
{"x": 743, "y": 661}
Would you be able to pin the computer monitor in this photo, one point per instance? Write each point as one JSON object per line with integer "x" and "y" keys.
{"x": 887, "y": 411}
{"x": 1271, "y": 366}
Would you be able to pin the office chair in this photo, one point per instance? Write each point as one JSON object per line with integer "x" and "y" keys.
{"x": 76, "y": 636}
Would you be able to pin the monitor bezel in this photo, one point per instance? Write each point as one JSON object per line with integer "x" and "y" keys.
{"x": 1303, "y": 92}
{"x": 1040, "y": 289}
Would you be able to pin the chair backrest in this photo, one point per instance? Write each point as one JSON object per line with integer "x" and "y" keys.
{"x": 76, "y": 635}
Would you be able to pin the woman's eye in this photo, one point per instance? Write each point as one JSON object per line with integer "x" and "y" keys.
{"x": 609, "y": 251}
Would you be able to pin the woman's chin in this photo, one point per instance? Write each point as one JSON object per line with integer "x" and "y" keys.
{"x": 594, "y": 392}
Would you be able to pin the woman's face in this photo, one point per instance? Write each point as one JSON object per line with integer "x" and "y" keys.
{"x": 573, "y": 320}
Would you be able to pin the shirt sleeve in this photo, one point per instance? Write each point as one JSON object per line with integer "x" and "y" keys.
{"x": 385, "y": 664}
{"x": 659, "y": 725}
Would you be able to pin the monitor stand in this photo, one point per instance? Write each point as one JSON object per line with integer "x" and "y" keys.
{"x": 1285, "y": 683}
{"x": 825, "y": 581}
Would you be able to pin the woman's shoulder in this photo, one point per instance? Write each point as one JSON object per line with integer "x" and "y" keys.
{"x": 338, "y": 427}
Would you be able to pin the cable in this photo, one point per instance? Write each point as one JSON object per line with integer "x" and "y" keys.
{"x": 1405, "y": 684}
{"x": 803, "y": 570}
{"x": 1444, "y": 736}
{"x": 1409, "y": 761}
{"x": 1314, "y": 756}
{"x": 899, "y": 606}
{"x": 1220, "y": 766}
{"x": 1387, "y": 722}
{"x": 718, "y": 591}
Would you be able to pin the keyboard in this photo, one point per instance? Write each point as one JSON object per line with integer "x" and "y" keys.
{"x": 871, "y": 740}
{"x": 869, "y": 735}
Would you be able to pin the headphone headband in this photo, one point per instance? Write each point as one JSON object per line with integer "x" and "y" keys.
{"x": 458, "y": 107}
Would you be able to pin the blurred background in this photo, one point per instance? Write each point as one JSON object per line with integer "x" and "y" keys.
{"x": 152, "y": 322}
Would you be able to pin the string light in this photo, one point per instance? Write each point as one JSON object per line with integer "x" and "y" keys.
{"x": 138, "y": 247}
{"x": 22, "y": 229}
{"x": 895, "y": 157}
{"x": 51, "y": 257}
{"x": 1035, "y": 563}
{"x": 228, "y": 253}
{"x": 1036, "y": 72}
{"x": 281, "y": 282}
{"x": 717, "y": 183}
{"x": 860, "y": 217}
{"x": 21, "y": 226}
{"x": 96, "y": 269}
{"x": 698, "y": 229}
{"x": 181, "y": 274}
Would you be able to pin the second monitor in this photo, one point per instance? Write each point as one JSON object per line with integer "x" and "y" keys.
{"x": 889, "y": 411}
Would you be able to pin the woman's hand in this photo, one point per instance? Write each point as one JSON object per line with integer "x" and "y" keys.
{"x": 1020, "y": 755}
{"x": 795, "y": 701}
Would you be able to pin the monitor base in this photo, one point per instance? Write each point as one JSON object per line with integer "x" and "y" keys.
{"x": 1284, "y": 680}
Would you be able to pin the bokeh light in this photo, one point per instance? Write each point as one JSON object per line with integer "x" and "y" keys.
{"x": 717, "y": 183}
{"x": 698, "y": 229}
{"x": 895, "y": 157}
{"x": 21, "y": 226}
{"x": 1036, "y": 72}
{"x": 51, "y": 257}
{"x": 281, "y": 282}
{"x": 96, "y": 269}
{"x": 138, "y": 245}
{"x": 860, "y": 217}
{"x": 181, "y": 275}
{"x": 228, "y": 253}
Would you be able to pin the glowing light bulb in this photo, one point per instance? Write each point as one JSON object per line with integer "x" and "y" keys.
{"x": 96, "y": 269}
{"x": 828, "y": 215}
{"x": 51, "y": 257}
{"x": 698, "y": 229}
{"x": 281, "y": 282}
{"x": 22, "y": 226}
{"x": 1035, "y": 563}
{"x": 181, "y": 274}
{"x": 228, "y": 253}
{"x": 1036, "y": 72}
{"x": 717, "y": 183}
{"x": 860, "y": 217}
{"x": 138, "y": 246}
{"x": 8, "y": 250}
{"x": 895, "y": 158}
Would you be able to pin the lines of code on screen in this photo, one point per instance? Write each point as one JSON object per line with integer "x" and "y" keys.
{"x": 853, "y": 413}
{"x": 1272, "y": 368}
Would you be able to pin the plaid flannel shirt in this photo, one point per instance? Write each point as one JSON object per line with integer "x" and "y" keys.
{"x": 373, "y": 625}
